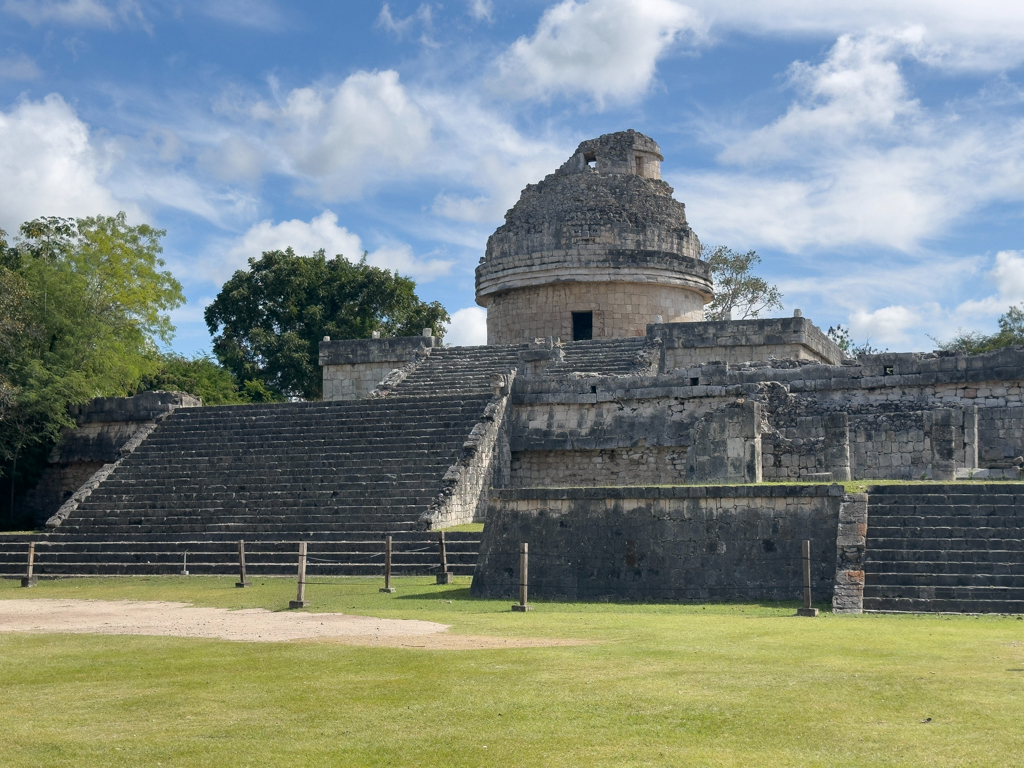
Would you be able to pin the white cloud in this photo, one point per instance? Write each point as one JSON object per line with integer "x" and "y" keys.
{"x": 890, "y": 325}
{"x": 605, "y": 48}
{"x": 1008, "y": 276}
{"x": 982, "y": 34}
{"x": 481, "y": 10}
{"x": 320, "y": 232}
{"x": 19, "y": 67}
{"x": 50, "y": 165}
{"x": 345, "y": 138}
{"x": 341, "y": 142}
{"x": 857, "y": 160}
{"x": 86, "y": 13}
{"x": 468, "y": 328}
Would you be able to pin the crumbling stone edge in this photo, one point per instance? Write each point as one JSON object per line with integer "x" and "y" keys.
{"x": 484, "y": 460}
{"x": 851, "y": 545}
{"x": 397, "y": 376}
{"x": 101, "y": 474}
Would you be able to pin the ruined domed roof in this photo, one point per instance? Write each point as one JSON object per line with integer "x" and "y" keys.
{"x": 605, "y": 215}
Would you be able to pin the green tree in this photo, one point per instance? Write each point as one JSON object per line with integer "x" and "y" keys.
{"x": 1010, "y": 334}
{"x": 267, "y": 321}
{"x": 84, "y": 304}
{"x": 739, "y": 294}
{"x": 203, "y": 377}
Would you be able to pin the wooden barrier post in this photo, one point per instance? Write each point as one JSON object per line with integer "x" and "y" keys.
{"x": 524, "y": 579}
{"x": 30, "y": 579}
{"x": 242, "y": 581}
{"x": 807, "y": 610}
{"x": 445, "y": 576}
{"x": 387, "y": 566}
{"x": 300, "y": 598}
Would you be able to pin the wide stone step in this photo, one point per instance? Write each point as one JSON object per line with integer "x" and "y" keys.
{"x": 975, "y": 543}
{"x": 942, "y": 605}
{"x": 891, "y": 579}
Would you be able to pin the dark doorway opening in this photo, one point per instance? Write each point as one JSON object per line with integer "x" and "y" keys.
{"x": 582, "y": 326}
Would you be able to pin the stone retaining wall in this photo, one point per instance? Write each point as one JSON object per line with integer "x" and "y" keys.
{"x": 683, "y": 543}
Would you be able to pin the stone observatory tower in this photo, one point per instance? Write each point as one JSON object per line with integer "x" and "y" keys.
{"x": 598, "y": 249}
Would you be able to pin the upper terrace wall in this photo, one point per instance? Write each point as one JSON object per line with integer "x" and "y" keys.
{"x": 685, "y": 345}
{"x": 352, "y": 368}
{"x": 908, "y": 415}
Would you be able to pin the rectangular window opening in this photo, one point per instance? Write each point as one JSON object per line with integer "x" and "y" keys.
{"x": 582, "y": 326}
{"x": 639, "y": 165}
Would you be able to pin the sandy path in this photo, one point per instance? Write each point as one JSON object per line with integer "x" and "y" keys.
{"x": 253, "y": 625}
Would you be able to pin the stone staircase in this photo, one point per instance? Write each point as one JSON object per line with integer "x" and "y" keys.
{"x": 601, "y": 357}
{"x": 339, "y": 474}
{"x": 458, "y": 370}
{"x": 945, "y": 548}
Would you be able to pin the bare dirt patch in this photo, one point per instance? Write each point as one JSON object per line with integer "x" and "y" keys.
{"x": 252, "y": 625}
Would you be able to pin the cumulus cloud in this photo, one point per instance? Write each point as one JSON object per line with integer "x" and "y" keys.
{"x": 19, "y": 67}
{"x": 1008, "y": 276}
{"x": 888, "y": 325}
{"x": 607, "y": 49}
{"x": 50, "y": 165}
{"x": 305, "y": 237}
{"x": 343, "y": 138}
{"x": 343, "y": 141}
{"x": 468, "y": 328}
{"x": 857, "y": 160}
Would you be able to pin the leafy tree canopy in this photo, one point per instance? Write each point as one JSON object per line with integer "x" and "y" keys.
{"x": 267, "y": 321}
{"x": 739, "y": 294}
{"x": 203, "y": 377}
{"x": 1010, "y": 334}
{"x": 83, "y": 303}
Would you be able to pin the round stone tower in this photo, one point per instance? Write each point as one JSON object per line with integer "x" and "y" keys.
{"x": 598, "y": 249}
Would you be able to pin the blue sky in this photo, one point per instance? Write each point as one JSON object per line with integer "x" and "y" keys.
{"x": 871, "y": 152}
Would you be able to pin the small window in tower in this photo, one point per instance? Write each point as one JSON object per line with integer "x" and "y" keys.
{"x": 582, "y": 326}
{"x": 590, "y": 160}
{"x": 639, "y": 165}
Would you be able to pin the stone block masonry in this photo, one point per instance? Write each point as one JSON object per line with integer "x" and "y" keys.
{"x": 352, "y": 368}
{"x": 682, "y": 543}
{"x": 104, "y": 426}
{"x": 685, "y": 345}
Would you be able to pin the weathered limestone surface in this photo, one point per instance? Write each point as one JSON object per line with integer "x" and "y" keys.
{"x": 619, "y": 309}
{"x": 851, "y": 420}
{"x": 684, "y": 543}
{"x": 726, "y": 445}
{"x": 613, "y": 466}
{"x": 685, "y": 345}
{"x": 353, "y": 368}
{"x": 848, "y": 595}
{"x": 482, "y": 464}
{"x": 604, "y": 219}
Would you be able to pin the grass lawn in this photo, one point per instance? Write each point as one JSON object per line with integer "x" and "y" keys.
{"x": 663, "y": 685}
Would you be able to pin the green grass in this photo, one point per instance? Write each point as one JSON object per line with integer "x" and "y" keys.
{"x": 467, "y": 528}
{"x": 662, "y": 685}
